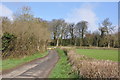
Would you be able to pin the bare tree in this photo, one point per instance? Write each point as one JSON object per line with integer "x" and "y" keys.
{"x": 71, "y": 28}
{"x": 58, "y": 29}
{"x": 32, "y": 33}
{"x": 106, "y": 30}
{"x": 82, "y": 29}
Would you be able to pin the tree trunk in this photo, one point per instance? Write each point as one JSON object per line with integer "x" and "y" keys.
{"x": 38, "y": 45}
{"x": 61, "y": 41}
{"x": 75, "y": 42}
{"x": 80, "y": 43}
{"x": 113, "y": 43}
{"x": 109, "y": 44}
{"x": 97, "y": 43}
{"x": 57, "y": 42}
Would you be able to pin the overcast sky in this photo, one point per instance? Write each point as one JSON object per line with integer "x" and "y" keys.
{"x": 94, "y": 12}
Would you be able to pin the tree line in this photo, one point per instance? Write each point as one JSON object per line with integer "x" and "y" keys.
{"x": 71, "y": 34}
{"x": 26, "y": 34}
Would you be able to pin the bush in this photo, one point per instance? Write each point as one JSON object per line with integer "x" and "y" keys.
{"x": 25, "y": 35}
{"x": 7, "y": 40}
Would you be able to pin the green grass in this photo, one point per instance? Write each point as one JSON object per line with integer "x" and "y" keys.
{"x": 62, "y": 68}
{"x": 99, "y": 54}
{"x": 10, "y": 63}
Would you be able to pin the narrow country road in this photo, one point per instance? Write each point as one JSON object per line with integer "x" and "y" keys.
{"x": 39, "y": 68}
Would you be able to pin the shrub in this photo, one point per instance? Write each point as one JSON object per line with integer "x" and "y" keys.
{"x": 25, "y": 35}
{"x": 7, "y": 40}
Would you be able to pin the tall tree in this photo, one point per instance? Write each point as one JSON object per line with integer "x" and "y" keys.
{"x": 82, "y": 29}
{"x": 58, "y": 29}
{"x": 71, "y": 28}
{"x": 23, "y": 14}
{"x": 106, "y": 30}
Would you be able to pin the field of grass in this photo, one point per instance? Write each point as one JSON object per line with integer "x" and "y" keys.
{"x": 62, "y": 68}
{"x": 10, "y": 63}
{"x": 99, "y": 54}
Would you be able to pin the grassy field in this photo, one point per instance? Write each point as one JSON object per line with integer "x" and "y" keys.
{"x": 62, "y": 68}
{"x": 100, "y": 54}
{"x": 10, "y": 63}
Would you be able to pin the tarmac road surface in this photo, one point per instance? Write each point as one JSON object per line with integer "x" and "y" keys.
{"x": 39, "y": 68}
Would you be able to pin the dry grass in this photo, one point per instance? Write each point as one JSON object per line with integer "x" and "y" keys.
{"x": 92, "y": 68}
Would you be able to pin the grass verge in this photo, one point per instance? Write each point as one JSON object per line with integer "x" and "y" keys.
{"x": 11, "y": 63}
{"x": 62, "y": 69}
{"x": 99, "y": 54}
